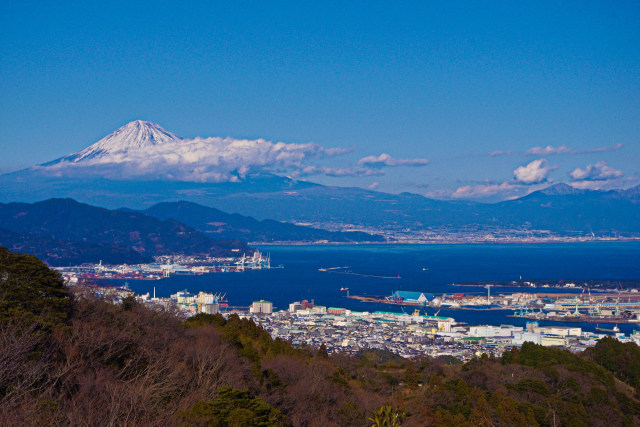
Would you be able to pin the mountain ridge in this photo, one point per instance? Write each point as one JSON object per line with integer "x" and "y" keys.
{"x": 70, "y": 221}
{"x": 56, "y": 252}
{"x": 217, "y": 223}
{"x": 560, "y": 189}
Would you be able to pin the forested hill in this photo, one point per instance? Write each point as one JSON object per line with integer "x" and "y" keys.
{"x": 222, "y": 225}
{"x": 82, "y": 361}
{"x": 58, "y": 252}
{"x": 63, "y": 232}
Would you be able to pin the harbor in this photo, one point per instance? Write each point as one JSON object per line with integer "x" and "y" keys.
{"x": 166, "y": 266}
{"x": 342, "y": 330}
{"x": 354, "y": 312}
{"x": 605, "y": 307}
{"x": 301, "y": 279}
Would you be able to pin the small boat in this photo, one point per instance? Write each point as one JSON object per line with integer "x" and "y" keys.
{"x": 344, "y": 289}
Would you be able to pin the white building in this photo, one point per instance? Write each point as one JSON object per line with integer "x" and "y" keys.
{"x": 553, "y": 341}
{"x": 562, "y": 331}
{"x": 261, "y": 307}
{"x": 210, "y": 308}
{"x": 494, "y": 331}
{"x": 205, "y": 298}
{"x": 520, "y": 338}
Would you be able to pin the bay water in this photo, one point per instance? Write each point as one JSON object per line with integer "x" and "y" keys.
{"x": 436, "y": 269}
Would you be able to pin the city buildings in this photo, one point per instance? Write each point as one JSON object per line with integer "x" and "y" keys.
{"x": 346, "y": 331}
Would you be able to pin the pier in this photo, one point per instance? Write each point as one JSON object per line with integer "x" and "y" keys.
{"x": 336, "y": 270}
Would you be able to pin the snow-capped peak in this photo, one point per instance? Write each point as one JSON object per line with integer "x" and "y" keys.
{"x": 133, "y": 135}
{"x": 144, "y": 150}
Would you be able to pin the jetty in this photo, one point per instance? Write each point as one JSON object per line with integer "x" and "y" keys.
{"x": 337, "y": 270}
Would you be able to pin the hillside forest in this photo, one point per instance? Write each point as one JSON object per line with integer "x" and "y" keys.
{"x": 68, "y": 358}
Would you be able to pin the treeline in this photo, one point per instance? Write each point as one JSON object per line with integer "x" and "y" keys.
{"x": 72, "y": 359}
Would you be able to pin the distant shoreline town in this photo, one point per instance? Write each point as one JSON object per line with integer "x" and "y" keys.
{"x": 403, "y": 240}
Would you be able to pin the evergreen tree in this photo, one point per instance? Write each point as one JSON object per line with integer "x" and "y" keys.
{"x": 30, "y": 291}
{"x": 322, "y": 352}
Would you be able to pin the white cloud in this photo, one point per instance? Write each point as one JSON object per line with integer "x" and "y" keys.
{"x": 441, "y": 193}
{"x": 614, "y": 147}
{"x": 609, "y": 184}
{"x": 336, "y": 151}
{"x": 495, "y": 190}
{"x": 501, "y": 153}
{"x": 203, "y": 160}
{"x": 482, "y": 190}
{"x": 596, "y": 172}
{"x": 219, "y": 160}
{"x": 373, "y": 185}
{"x": 591, "y": 185}
{"x": 335, "y": 172}
{"x": 563, "y": 149}
{"x": 534, "y": 172}
{"x": 548, "y": 150}
{"x": 385, "y": 159}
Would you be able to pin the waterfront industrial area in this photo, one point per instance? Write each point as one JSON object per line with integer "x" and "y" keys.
{"x": 166, "y": 266}
{"x": 598, "y": 305}
{"x": 606, "y": 306}
{"x": 409, "y": 334}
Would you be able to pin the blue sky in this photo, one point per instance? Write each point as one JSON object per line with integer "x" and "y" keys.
{"x": 474, "y": 87}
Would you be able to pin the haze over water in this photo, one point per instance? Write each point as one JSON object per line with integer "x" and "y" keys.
{"x": 442, "y": 264}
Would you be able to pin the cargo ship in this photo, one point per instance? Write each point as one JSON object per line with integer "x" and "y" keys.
{"x": 615, "y": 329}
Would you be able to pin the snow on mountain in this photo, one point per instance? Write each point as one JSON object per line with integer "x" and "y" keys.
{"x": 134, "y": 135}
{"x": 561, "y": 189}
{"x": 144, "y": 150}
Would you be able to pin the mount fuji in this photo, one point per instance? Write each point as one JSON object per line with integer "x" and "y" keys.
{"x": 143, "y": 150}
{"x": 135, "y": 135}
{"x": 141, "y": 164}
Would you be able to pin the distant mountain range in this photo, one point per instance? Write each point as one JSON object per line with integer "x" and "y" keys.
{"x": 66, "y": 232}
{"x": 559, "y": 210}
{"x": 58, "y": 252}
{"x": 90, "y": 176}
{"x": 222, "y": 225}
{"x": 63, "y": 232}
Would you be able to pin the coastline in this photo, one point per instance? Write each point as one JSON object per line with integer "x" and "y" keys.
{"x": 450, "y": 242}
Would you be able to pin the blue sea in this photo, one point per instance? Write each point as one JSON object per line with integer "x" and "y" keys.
{"x": 425, "y": 268}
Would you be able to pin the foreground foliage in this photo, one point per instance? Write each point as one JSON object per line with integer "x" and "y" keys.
{"x": 100, "y": 364}
{"x": 233, "y": 408}
{"x": 30, "y": 292}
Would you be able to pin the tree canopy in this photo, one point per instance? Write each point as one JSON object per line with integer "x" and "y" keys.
{"x": 30, "y": 291}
